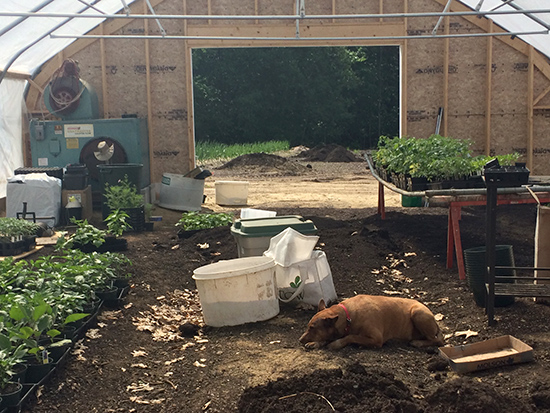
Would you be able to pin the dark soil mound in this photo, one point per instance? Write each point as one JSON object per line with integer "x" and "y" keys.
{"x": 352, "y": 389}
{"x": 467, "y": 395}
{"x": 329, "y": 153}
{"x": 264, "y": 162}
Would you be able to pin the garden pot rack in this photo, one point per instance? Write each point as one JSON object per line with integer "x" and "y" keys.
{"x": 455, "y": 199}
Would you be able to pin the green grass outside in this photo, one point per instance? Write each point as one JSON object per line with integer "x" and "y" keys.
{"x": 214, "y": 150}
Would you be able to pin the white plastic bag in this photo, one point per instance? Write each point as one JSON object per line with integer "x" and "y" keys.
{"x": 302, "y": 274}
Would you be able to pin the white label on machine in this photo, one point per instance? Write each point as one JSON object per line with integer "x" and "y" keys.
{"x": 42, "y": 161}
{"x": 85, "y": 130}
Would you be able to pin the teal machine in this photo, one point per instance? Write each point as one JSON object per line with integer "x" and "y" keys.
{"x": 80, "y": 137}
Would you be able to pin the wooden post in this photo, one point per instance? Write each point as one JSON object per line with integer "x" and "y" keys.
{"x": 489, "y": 90}
{"x": 104, "y": 94}
{"x": 150, "y": 122}
{"x": 189, "y": 89}
{"x": 446, "y": 79}
{"x": 404, "y": 74}
{"x": 530, "y": 104}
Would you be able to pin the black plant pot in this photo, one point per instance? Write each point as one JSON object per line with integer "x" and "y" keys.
{"x": 476, "y": 270}
{"x": 111, "y": 244}
{"x": 136, "y": 218}
{"x": 11, "y": 395}
{"x": 36, "y": 371}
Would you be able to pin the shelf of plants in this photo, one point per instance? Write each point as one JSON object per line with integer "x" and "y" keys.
{"x": 436, "y": 162}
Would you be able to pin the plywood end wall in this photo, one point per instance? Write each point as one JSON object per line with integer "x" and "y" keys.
{"x": 490, "y": 107}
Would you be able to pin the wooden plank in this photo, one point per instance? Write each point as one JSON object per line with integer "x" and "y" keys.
{"x": 489, "y": 91}
{"x": 541, "y": 96}
{"x": 104, "y": 93}
{"x": 148, "y": 88}
{"x": 189, "y": 88}
{"x": 446, "y": 80}
{"x": 404, "y": 75}
{"x": 530, "y": 85}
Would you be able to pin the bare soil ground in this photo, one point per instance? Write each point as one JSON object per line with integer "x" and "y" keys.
{"x": 147, "y": 357}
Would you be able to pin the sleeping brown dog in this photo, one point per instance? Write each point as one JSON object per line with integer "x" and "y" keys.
{"x": 370, "y": 320}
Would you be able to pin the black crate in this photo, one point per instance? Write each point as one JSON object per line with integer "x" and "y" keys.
{"x": 506, "y": 176}
{"x": 75, "y": 181}
{"x": 54, "y": 171}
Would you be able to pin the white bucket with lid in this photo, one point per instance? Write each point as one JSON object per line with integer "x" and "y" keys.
{"x": 231, "y": 192}
{"x": 237, "y": 291}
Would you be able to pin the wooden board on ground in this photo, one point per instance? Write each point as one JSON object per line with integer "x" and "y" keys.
{"x": 48, "y": 240}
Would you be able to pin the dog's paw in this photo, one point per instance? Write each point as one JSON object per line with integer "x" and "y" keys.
{"x": 335, "y": 345}
{"x": 312, "y": 345}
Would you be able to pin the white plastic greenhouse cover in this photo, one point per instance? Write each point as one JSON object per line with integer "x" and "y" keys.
{"x": 16, "y": 35}
{"x": 520, "y": 22}
{"x": 25, "y": 45}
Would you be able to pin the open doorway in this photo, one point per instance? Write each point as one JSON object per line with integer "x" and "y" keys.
{"x": 303, "y": 95}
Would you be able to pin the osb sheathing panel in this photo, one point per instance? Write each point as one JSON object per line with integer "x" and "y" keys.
{"x": 233, "y": 7}
{"x": 169, "y": 134}
{"x": 541, "y": 84}
{"x": 199, "y": 7}
{"x": 424, "y": 80}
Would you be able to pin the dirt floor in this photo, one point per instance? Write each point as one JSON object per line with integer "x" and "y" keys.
{"x": 148, "y": 356}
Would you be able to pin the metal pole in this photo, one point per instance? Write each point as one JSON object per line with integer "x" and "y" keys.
{"x": 490, "y": 255}
{"x": 273, "y": 17}
{"x": 445, "y": 10}
{"x": 442, "y": 36}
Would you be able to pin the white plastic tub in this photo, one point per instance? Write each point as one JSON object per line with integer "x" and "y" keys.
{"x": 237, "y": 291}
{"x": 231, "y": 192}
{"x": 181, "y": 193}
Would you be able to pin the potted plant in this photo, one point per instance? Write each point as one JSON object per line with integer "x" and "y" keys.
{"x": 88, "y": 238}
{"x": 16, "y": 236}
{"x": 10, "y": 389}
{"x": 125, "y": 197}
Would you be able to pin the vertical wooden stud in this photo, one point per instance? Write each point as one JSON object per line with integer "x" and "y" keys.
{"x": 489, "y": 90}
{"x": 404, "y": 74}
{"x": 150, "y": 123}
{"x": 104, "y": 93}
{"x": 189, "y": 89}
{"x": 381, "y": 9}
{"x": 530, "y": 105}
{"x": 446, "y": 79}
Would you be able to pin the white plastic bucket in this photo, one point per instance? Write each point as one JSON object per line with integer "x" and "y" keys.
{"x": 181, "y": 193}
{"x": 231, "y": 192}
{"x": 237, "y": 291}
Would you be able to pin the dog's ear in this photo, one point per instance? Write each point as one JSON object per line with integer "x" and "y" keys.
{"x": 322, "y": 305}
{"x": 330, "y": 321}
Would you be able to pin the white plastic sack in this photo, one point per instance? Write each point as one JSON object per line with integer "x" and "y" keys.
{"x": 314, "y": 282}
{"x": 290, "y": 246}
{"x": 302, "y": 274}
{"x": 41, "y": 192}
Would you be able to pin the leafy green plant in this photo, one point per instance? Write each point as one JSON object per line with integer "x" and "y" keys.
{"x": 190, "y": 221}
{"x": 12, "y": 229}
{"x": 123, "y": 195}
{"x": 116, "y": 222}
{"x": 436, "y": 157}
{"x": 85, "y": 234}
{"x": 9, "y": 357}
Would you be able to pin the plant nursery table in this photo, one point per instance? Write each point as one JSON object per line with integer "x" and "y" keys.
{"x": 455, "y": 199}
